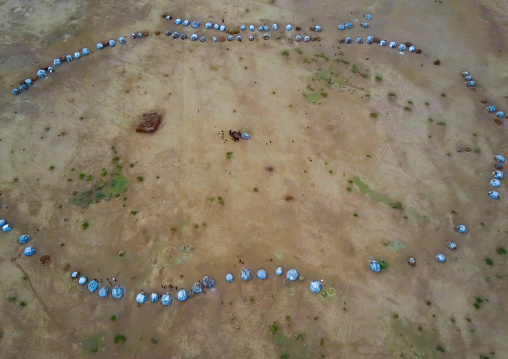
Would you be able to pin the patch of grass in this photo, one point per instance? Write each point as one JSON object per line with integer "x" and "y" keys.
{"x": 154, "y": 340}
{"x": 134, "y": 212}
{"x": 93, "y": 343}
{"x": 140, "y": 179}
{"x": 468, "y": 320}
{"x": 373, "y": 114}
{"x": 378, "y": 78}
{"x": 255, "y": 189}
{"x": 439, "y": 348}
{"x": 229, "y": 155}
{"x": 285, "y": 53}
{"x": 113, "y": 318}
{"x": 85, "y": 225}
{"x": 355, "y": 214}
{"x": 115, "y": 159}
{"x": 489, "y": 261}
{"x": 299, "y": 337}
{"x": 324, "y": 94}
{"x": 392, "y": 96}
{"x": 81, "y": 175}
{"x": 274, "y": 328}
{"x": 120, "y": 338}
{"x": 429, "y": 303}
{"x": 131, "y": 165}
{"x": 306, "y": 60}
{"x": 396, "y": 205}
{"x": 406, "y": 108}
{"x": 51, "y": 168}
{"x": 104, "y": 172}
{"x": 443, "y": 95}
{"x": 298, "y": 51}
{"x": 410, "y": 102}
{"x": 453, "y": 212}
{"x": 22, "y": 304}
{"x": 12, "y": 298}
{"x": 323, "y": 56}
{"x": 501, "y": 250}
{"x": 350, "y": 181}
{"x": 441, "y": 123}
{"x": 196, "y": 226}
{"x": 355, "y": 69}
{"x": 221, "y": 200}
{"x": 349, "y": 189}
{"x": 427, "y": 104}
{"x": 89, "y": 178}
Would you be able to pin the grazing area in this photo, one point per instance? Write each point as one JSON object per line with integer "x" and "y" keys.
{"x": 194, "y": 175}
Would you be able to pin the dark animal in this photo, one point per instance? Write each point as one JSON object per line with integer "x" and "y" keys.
{"x": 235, "y": 135}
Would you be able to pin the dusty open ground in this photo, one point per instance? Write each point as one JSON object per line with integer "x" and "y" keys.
{"x": 172, "y": 225}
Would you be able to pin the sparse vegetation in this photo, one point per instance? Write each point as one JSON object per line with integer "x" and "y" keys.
{"x": 373, "y": 114}
{"x": 406, "y": 108}
{"x": 378, "y": 78}
{"x": 274, "y": 328}
{"x": 299, "y": 337}
{"x": 443, "y": 95}
{"x": 501, "y": 250}
{"x": 51, "y": 168}
{"x": 154, "y": 340}
{"x": 229, "y": 155}
{"x": 391, "y": 96}
{"x": 255, "y": 189}
{"x": 439, "y": 348}
{"x": 85, "y": 225}
{"x": 285, "y": 53}
{"x": 489, "y": 261}
{"x": 120, "y": 338}
{"x": 113, "y": 318}
{"x": 396, "y": 205}
{"x": 140, "y": 179}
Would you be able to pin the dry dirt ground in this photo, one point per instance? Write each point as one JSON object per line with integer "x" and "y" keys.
{"x": 191, "y": 209}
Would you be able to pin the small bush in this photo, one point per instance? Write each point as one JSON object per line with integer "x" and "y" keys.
{"x": 378, "y": 78}
{"x": 373, "y": 114}
{"x": 489, "y": 261}
{"x": 120, "y": 338}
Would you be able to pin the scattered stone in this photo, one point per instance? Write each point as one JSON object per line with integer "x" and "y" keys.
{"x": 150, "y": 122}
{"x": 437, "y": 62}
{"x": 233, "y": 31}
{"x": 269, "y": 168}
{"x": 315, "y": 38}
{"x": 288, "y": 198}
{"x": 484, "y": 101}
{"x": 385, "y": 242}
{"x": 411, "y": 261}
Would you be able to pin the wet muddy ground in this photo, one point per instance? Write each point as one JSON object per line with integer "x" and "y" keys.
{"x": 349, "y": 130}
